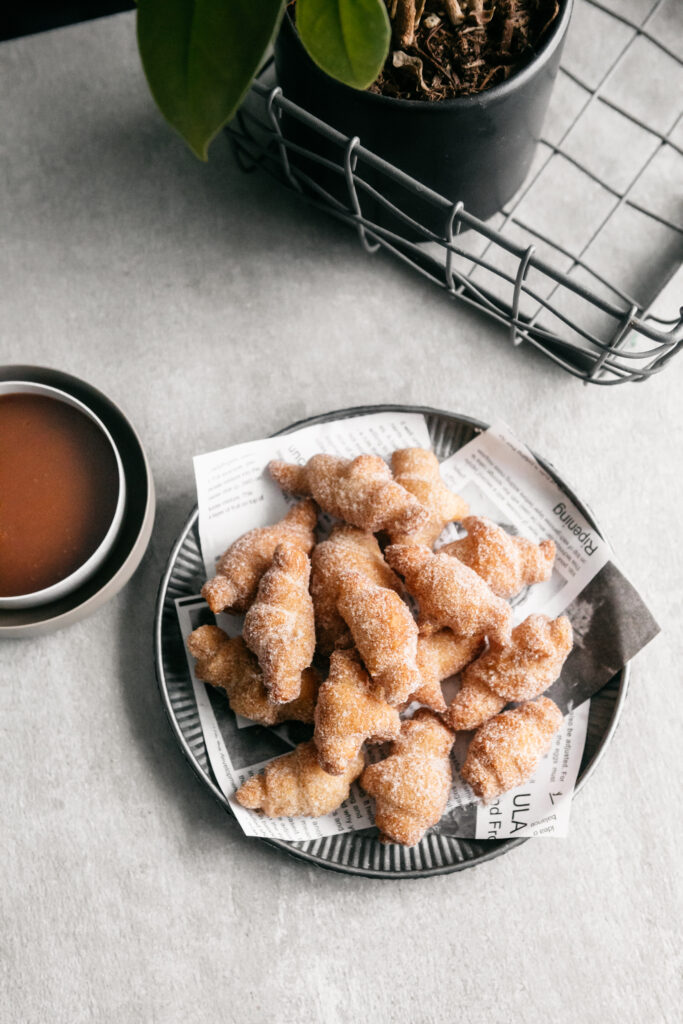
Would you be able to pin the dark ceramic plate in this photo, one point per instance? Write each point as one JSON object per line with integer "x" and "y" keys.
{"x": 355, "y": 852}
{"x": 138, "y": 517}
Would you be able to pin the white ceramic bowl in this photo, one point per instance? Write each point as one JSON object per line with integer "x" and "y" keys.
{"x": 93, "y": 563}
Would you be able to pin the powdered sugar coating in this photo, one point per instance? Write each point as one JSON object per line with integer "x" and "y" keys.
{"x": 385, "y": 633}
{"x": 473, "y": 704}
{"x": 295, "y": 784}
{"x": 417, "y": 469}
{"x": 226, "y": 663}
{"x": 505, "y": 750}
{"x": 279, "y": 627}
{"x": 411, "y": 786}
{"x": 360, "y": 491}
{"x": 440, "y": 656}
{"x": 520, "y": 670}
{"x": 243, "y": 564}
{"x": 350, "y": 710}
{"x": 530, "y": 663}
{"x": 505, "y": 562}
{"x": 347, "y": 548}
{"x": 450, "y": 594}
{"x": 357, "y": 600}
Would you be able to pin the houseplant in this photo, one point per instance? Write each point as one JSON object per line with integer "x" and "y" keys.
{"x": 461, "y": 118}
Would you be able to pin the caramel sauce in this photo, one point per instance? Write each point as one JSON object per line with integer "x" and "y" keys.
{"x": 58, "y": 491}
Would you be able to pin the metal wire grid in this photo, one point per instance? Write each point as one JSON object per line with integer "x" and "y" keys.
{"x": 598, "y": 331}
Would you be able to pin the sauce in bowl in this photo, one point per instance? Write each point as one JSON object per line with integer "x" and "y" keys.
{"x": 59, "y": 487}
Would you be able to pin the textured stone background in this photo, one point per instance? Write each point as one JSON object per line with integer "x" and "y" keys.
{"x": 214, "y": 308}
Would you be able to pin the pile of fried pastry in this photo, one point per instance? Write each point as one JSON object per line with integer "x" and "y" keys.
{"x": 330, "y": 639}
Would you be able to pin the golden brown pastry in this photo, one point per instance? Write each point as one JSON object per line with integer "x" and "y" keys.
{"x": 360, "y": 491}
{"x": 507, "y": 563}
{"x": 295, "y": 784}
{"x": 440, "y": 656}
{"x": 385, "y": 633}
{"x": 450, "y": 594}
{"x": 347, "y": 548}
{"x": 521, "y": 670}
{"x": 350, "y": 710}
{"x": 473, "y": 704}
{"x": 530, "y": 663}
{"x": 241, "y": 567}
{"x": 279, "y": 627}
{"x": 411, "y": 786}
{"x": 505, "y": 750}
{"x": 417, "y": 469}
{"x": 227, "y": 663}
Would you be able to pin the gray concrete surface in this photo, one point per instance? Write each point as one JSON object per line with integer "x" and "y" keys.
{"x": 214, "y": 308}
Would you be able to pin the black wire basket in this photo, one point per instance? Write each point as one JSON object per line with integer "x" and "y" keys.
{"x": 563, "y": 302}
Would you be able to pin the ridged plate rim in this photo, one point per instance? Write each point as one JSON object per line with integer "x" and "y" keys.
{"x": 498, "y": 847}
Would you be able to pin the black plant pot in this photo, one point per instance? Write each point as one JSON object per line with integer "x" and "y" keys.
{"x": 474, "y": 149}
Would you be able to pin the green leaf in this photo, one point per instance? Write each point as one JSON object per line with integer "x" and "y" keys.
{"x": 200, "y": 57}
{"x": 349, "y": 39}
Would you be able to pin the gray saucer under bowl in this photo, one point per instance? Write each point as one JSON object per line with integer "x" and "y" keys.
{"x": 136, "y": 527}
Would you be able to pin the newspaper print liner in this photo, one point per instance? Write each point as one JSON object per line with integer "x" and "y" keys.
{"x": 358, "y": 853}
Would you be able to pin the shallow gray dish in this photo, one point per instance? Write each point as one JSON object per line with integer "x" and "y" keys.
{"x": 358, "y": 853}
{"x": 136, "y": 527}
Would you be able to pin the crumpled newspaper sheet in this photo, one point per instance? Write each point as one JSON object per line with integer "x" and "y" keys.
{"x": 499, "y": 478}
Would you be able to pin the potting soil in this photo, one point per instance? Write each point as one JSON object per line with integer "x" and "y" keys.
{"x": 461, "y": 47}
